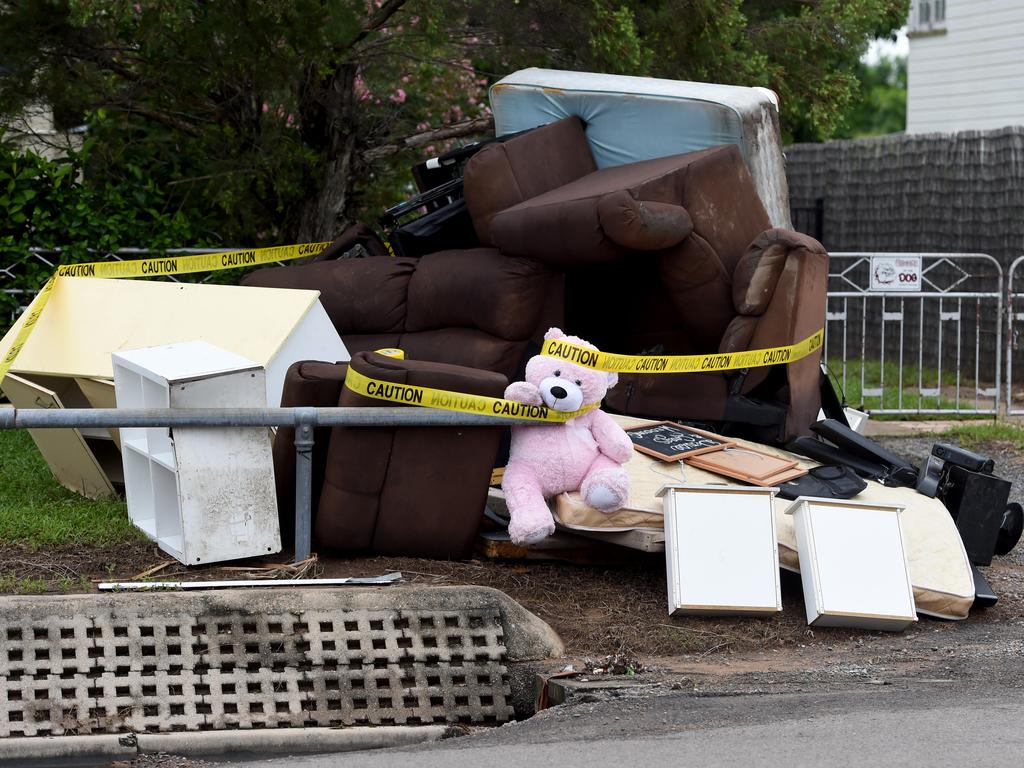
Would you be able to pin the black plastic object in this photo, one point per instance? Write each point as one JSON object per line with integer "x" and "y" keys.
{"x": 826, "y": 481}
{"x": 830, "y": 402}
{"x": 829, "y": 454}
{"x": 900, "y": 472}
{"x": 977, "y": 502}
{"x": 930, "y": 477}
{"x": 445, "y": 225}
{"x": 442, "y": 169}
{"x": 961, "y": 457}
{"x": 756, "y": 419}
{"x": 984, "y": 596}
{"x": 1010, "y": 529}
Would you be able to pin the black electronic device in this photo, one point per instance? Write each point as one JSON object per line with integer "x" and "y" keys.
{"x": 900, "y": 472}
{"x": 961, "y": 457}
{"x": 984, "y": 596}
{"x": 1010, "y": 529}
{"x": 930, "y": 477}
{"x": 829, "y": 454}
{"x": 977, "y": 502}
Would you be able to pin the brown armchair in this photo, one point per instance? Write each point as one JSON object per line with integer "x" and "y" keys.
{"x": 666, "y": 256}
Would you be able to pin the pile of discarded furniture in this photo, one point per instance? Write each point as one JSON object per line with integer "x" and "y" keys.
{"x": 650, "y": 218}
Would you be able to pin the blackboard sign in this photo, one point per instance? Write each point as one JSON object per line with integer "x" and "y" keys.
{"x": 671, "y": 442}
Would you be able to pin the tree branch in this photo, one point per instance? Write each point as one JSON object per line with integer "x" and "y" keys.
{"x": 163, "y": 118}
{"x": 378, "y": 20}
{"x": 467, "y": 128}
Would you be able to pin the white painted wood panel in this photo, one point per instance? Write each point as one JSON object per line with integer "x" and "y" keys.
{"x": 841, "y": 588}
{"x": 971, "y": 77}
{"x": 720, "y": 550}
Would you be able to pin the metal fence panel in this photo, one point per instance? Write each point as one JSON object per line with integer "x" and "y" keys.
{"x": 1015, "y": 339}
{"x": 933, "y": 351}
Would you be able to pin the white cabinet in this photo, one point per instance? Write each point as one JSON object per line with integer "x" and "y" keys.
{"x": 720, "y": 550}
{"x": 853, "y": 565}
{"x": 204, "y": 494}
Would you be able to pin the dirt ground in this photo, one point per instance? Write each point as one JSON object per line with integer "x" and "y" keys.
{"x": 597, "y": 609}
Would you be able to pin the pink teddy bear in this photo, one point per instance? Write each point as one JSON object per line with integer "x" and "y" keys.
{"x": 585, "y": 453}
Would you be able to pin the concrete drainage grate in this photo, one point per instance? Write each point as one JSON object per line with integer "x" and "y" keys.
{"x": 172, "y": 662}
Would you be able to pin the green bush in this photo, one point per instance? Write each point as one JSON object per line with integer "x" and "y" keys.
{"x": 56, "y": 204}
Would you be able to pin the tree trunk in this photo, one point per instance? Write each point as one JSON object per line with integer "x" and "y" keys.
{"x": 323, "y": 217}
{"x": 330, "y": 112}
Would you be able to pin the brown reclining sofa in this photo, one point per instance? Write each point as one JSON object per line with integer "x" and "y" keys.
{"x": 672, "y": 256}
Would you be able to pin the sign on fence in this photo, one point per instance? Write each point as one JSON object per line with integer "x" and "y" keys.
{"x": 895, "y": 273}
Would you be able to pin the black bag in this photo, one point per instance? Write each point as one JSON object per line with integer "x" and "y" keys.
{"x": 827, "y": 481}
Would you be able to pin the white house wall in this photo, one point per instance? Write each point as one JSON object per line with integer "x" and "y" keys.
{"x": 972, "y": 76}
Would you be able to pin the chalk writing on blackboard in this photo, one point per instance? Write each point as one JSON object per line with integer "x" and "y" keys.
{"x": 670, "y": 442}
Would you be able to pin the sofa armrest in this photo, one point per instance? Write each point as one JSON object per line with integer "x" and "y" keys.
{"x": 757, "y": 274}
{"x": 782, "y": 303}
{"x": 642, "y": 225}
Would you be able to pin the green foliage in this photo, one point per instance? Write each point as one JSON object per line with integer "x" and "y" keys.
{"x": 37, "y": 512}
{"x": 45, "y": 204}
{"x": 265, "y": 121}
{"x": 881, "y": 104}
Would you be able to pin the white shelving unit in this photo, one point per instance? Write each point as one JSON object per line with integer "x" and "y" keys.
{"x": 204, "y": 494}
{"x": 720, "y": 550}
{"x": 841, "y": 588}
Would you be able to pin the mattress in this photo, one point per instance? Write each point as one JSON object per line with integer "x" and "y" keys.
{"x": 639, "y": 118}
{"x": 939, "y": 569}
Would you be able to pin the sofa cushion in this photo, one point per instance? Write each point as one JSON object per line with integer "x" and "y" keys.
{"x": 479, "y": 288}
{"x": 359, "y": 295}
{"x": 564, "y": 226}
{"x": 722, "y": 200}
{"x": 506, "y": 173}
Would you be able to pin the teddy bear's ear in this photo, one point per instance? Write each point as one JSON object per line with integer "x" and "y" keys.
{"x": 554, "y": 333}
{"x": 613, "y": 379}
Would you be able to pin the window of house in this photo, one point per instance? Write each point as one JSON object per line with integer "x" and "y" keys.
{"x": 927, "y": 17}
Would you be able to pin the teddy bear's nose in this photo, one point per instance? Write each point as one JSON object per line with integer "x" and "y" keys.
{"x": 558, "y": 392}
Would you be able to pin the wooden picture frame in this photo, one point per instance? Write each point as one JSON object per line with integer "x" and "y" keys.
{"x": 702, "y": 441}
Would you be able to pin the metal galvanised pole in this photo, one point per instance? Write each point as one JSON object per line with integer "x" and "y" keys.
{"x": 304, "y": 420}
{"x": 305, "y": 423}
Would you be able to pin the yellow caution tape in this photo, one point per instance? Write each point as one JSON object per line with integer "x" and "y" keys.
{"x": 725, "y": 361}
{"x": 168, "y": 265}
{"x": 427, "y": 397}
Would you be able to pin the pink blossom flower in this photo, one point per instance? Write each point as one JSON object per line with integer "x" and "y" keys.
{"x": 398, "y": 96}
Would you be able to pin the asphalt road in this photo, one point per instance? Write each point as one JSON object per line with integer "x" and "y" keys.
{"x": 916, "y": 725}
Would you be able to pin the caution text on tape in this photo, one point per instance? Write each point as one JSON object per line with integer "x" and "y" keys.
{"x": 427, "y": 397}
{"x": 169, "y": 265}
{"x": 725, "y": 361}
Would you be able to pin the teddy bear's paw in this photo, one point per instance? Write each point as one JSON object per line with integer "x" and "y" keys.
{"x": 606, "y": 491}
{"x": 604, "y": 498}
{"x": 526, "y": 535}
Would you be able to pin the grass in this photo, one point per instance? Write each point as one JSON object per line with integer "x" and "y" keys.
{"x": 36, "y": 512}
{"x": 873, "y": 372}
{"x": 976, "y": 435}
